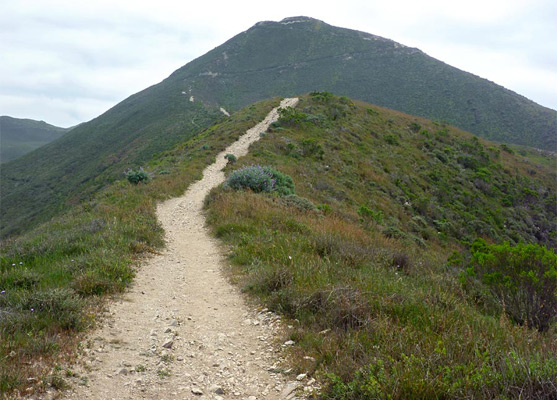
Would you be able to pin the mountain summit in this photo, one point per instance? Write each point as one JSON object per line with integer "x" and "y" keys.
{"x": 285, "y": 58}
{"x": 301, "y": 54}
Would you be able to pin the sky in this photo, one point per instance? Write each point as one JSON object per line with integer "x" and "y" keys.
{"x": 66, "y": 62}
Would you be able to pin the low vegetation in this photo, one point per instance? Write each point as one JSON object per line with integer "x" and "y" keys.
{"x": 365, "y": 240}
{"x": 361, "y": 268}
{"x": 519, "y": 280}
{"x": 53, "y": 278}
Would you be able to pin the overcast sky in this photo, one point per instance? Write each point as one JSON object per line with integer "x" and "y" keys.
{"x": 66, "y": 62}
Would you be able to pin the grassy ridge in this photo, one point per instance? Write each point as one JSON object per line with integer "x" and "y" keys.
{"x": 20, "y": 136}
{"x": 44, "y": 183}
{"x": 53, "y": 278}
{"x": 377, "y": 313}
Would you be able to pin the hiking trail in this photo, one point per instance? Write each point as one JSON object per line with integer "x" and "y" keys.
{"x": 183, "y": 331}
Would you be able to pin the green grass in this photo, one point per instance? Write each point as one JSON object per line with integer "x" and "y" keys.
{"x": 376, "y": 310}
{"x": 356, "y": 259}
{"x": 54, "y": 277}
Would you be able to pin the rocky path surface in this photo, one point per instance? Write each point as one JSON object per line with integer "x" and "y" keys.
{"x": 183, "y": 331}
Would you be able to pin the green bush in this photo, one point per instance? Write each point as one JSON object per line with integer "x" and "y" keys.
{"x": 391, "y": 139}
{"x": 137, "y": 176}
{"x": 284, "y": 185}
{"x": 231, "y": 158}
{"x": 367, "y": 213}
{"x": 260, "y": 179}
{"x": 522, "y": 279}
{"x": 289, "y": 116}
{"x": 255, "y": 177}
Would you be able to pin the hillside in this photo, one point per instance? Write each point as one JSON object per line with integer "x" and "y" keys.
{"x": 42, "y": 183}
{"x": 284, "y": 58}
{"x": 20, "y": 136}
{"x": 301, "y": 54}
{"x": 425, "y": 182}
{"x": 368, "y": 259}
{"x": 356, "y": 261}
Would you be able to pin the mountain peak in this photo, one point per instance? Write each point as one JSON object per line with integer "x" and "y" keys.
{"x": 290, "y": 21}
{"x": 293, "y": 20}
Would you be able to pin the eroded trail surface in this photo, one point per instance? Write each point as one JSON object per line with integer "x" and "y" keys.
{"x": 183, "y": 331}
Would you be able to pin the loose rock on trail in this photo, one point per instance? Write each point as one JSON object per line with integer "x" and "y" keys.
{"x": 183, "y": 331}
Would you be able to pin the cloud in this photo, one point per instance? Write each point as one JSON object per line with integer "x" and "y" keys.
{"x": 66, "y": 62}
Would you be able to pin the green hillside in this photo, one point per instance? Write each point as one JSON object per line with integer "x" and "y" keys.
{"x": 20, "y": 136}
{"x": 356, "y": 260}
{"x": 370, "y": 259}
{"x": 301, "y": 54}
{"x": 60, "y": 268}
{"x": 426, "y": 182}
{"x": 293, "y": 56}
{"x": 41, "y": 184}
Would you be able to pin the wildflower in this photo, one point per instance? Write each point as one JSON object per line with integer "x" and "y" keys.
{"x": 32, "y": 310}
{"x": 2, "y": 292}
{"x": 21, "y": 263}
{"x": 290, "y": 257}
{"x": 13, "y": 265}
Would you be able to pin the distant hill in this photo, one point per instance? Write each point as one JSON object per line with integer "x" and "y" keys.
{"x": 301, "y": 54}
{"x": 20, "y": 136}
{"x": 285, "y": 58}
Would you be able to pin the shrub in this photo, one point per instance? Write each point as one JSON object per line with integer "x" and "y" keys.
{"x": 415, "y": 127}
{"x": 284, "y": 185}
{"x": 231, "y": 158}
{"x": 260, "y": 179}
{"x": 522, "y": 279}
{"x": 137, "y": 176}
{"x": 391, "y": 139}
{"x": 254, "y": 177}
{"x": 301, "y": 203}
{"x": 367, "y": 213}
{"x": 289, "y": 116}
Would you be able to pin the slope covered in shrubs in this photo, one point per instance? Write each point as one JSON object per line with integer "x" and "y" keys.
{"x": 361, "y": 268}
{"x": 53, "y": 278}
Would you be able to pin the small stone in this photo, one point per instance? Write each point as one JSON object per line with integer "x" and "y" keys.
{"x": 216, "y": 389}
{"x": 167, "y": 330}
{"x": 196, "y": 391}
{"x": 301, "y": 377}
{"x": 289, "y": 343}
{"x": 123, "y": 371}
{"x": 168, "y": 344}
{"x": 289, "y": 389}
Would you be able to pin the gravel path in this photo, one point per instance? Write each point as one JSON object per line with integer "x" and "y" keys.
{"x": 183, "y": 331}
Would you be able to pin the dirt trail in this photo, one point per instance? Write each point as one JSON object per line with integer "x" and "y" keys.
{"x": 182, "y": 331}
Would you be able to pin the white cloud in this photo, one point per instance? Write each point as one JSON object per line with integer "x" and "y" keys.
{"x": 66, "y": 62}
